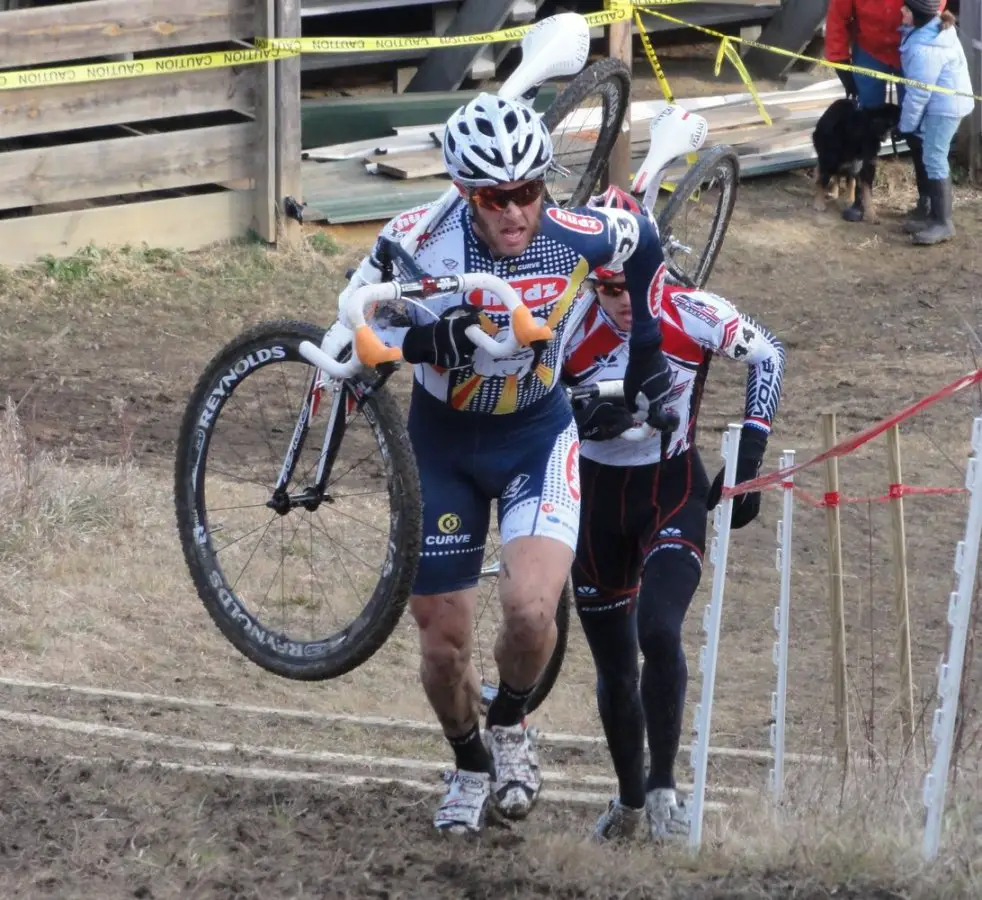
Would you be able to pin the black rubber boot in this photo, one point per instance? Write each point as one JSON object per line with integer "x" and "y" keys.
{"x": 941, "y": 227}
{"x": 919, "y": 217}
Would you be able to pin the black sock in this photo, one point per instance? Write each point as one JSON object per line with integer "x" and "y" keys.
{"x": 508, "y": 706}
{"x": 470, "y": 753}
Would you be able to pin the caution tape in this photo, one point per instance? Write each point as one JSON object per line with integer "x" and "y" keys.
{"x": 620, "y": 12}
{"x": 140, "y": 68}
{"x": 726, "y": 49}
{"x": 644, "y": 7}
{"x": 266, "y": 50}
{"x": 649, "y": 51}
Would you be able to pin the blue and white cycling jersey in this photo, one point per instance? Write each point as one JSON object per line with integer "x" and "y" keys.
{"x": 548, "y": 277}
{"x": 497, "y": 428}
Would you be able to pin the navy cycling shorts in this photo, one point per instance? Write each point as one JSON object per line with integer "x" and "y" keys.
{"x": 527, "y": 460}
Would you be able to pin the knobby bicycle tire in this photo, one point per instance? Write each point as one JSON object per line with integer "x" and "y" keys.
{"x": 723, "y": 161}
{"x": 332, "y": 655}
{"x": 612, "y": 79}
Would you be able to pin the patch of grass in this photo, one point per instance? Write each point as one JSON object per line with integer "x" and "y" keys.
{"x": 321, "y": 242}
{"x": 49, "y": 504}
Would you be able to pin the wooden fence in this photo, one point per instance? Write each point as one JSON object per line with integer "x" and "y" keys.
{"x": 174, "y": 160}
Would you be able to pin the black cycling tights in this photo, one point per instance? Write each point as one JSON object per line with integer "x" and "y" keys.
{"x": 640, "y": 522}
{"x": 655, "y": 625}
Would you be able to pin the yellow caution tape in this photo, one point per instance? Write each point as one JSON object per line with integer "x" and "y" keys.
{"x": 726, "y": 49}
{"x": 617, "y": 13}
{"x": 266, "y": 50}
{"x": 649, "y": 51}
{"x": 139, "y": 68}
{"x": 643, "y": 5}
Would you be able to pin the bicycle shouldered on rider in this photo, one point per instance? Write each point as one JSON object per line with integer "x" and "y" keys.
{"x": 486, "y": 429}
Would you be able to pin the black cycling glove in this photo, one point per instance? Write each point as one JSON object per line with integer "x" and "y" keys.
{"x": 442, "y": 343}
{"x": 753, "y": 443}
{"x": 601, "y": 418}
{"x": 647, "y": 383}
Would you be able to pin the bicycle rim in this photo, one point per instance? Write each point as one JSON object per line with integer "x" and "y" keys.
{"x": 584, "y": 121}
{"x": 306, "y": 582}
{"x": 694, "y": 220}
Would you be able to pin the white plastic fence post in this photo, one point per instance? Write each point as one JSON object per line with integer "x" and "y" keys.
{"x": 950, "y": 672}
{"x": 718, "y": 551}
{"x": 782, "y": 617}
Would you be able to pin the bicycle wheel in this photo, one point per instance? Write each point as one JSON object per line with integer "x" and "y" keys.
{"x": 591, "y": 110}
{"x": 714, "y": 175}
{"x": 487, "y": 621}
{"x": 298, "y": 506}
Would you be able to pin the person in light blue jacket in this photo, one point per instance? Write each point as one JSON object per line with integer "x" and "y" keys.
{"x": 930, "y": 52}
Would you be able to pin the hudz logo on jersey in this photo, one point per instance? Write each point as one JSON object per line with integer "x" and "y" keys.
{"x": 575, "y": 221}
{"x": 533, "y": 292}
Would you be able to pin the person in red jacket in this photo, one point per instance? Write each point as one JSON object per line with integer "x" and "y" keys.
{"x": 867, "y": 33}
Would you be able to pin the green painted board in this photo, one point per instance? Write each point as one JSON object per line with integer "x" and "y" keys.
{"x": 338, "y": 120}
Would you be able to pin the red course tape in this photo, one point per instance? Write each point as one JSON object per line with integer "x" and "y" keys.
{"x": 844, "y": 448}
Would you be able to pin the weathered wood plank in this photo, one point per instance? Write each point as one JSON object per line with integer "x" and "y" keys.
{"x": 265, "y": 167}
{"x": 187, "y": 223}
{"x": 70, "y": 31}
{"x": 67, "y": 107}
{"x": 126, "y": 165}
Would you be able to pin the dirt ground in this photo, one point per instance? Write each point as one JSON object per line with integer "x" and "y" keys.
{"x": 121, "y": 796}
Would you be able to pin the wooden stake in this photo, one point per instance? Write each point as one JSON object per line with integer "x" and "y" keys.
{"x": 288, "y": 146}
{"x": 836, "y": 594}
{"x": 619, "y": 46}
{"x": 900, "y": 583}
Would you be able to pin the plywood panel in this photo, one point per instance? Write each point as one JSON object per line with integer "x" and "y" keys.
{"x": 78, "y": 31}
{"x": 187, "y": 223}
{"x": 72, "y": 106}
{"x": 126, "y": 165}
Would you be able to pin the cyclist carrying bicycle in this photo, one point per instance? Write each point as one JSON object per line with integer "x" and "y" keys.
{"x": 484, "y": 428}
{"x": 643, "y": 529}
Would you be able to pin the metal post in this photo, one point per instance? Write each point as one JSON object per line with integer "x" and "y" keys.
{"x": 782, "y": 616}
{"x": 711, "y": 622}
{"x": 950, "y": 672}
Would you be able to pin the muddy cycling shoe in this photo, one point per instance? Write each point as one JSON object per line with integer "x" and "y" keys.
{"x": 618, "y": 822}
{"x": 668, "y": 818}
{"x": 517, "y": 777}
{"x": 465, "y": 805}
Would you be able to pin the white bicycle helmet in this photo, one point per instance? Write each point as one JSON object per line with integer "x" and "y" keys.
{"x": 492, "y": 141}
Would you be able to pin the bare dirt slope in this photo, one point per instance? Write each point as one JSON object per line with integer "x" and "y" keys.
{"x": 100, "y": 353}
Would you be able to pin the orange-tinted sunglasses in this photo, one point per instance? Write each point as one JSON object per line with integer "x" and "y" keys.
{"x": 611, "y": 290}
{"x": 496, "y": 199}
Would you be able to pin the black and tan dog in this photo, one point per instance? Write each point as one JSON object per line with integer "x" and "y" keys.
{"x": 847, "y": 140}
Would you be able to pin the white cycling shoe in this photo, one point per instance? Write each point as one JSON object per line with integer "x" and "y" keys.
{"x": 668, "y": 817}
{"x": 517, "y": 777}
{"x": 465, "y": 804}
{"x": 618, "y": 822}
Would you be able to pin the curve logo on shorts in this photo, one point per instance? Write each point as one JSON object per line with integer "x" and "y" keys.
{"x": 448, "y": 523}
{"x": 573, "y": 470}
{"x": 534, "y": 292}
{"x": 575, "y": 221}
{"x": 655, "y": 291}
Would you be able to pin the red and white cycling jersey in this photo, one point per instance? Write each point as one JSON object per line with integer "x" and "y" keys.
{"x": 695, "y": 326}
